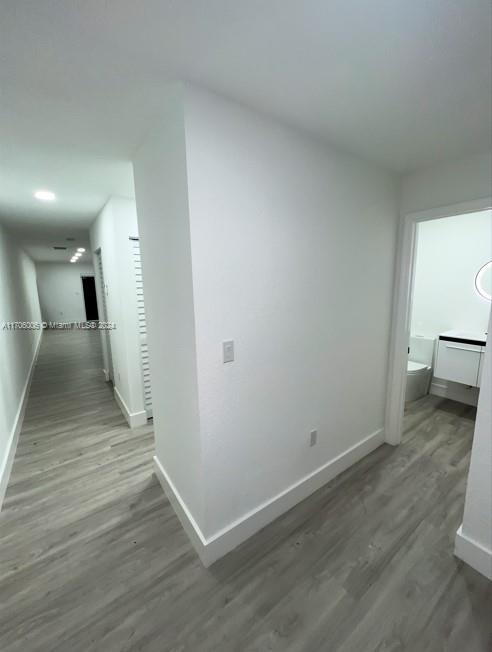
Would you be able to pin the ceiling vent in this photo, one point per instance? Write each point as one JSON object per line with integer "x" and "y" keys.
{"x": 70, "y": 239}
{"x": 60, "y": 248}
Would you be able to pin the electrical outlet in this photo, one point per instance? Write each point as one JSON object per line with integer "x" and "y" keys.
{"x": 313, "y": 438}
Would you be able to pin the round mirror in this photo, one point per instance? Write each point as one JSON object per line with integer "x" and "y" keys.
{"x": 483, "y": 281}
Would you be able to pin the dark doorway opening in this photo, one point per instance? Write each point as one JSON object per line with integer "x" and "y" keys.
{"x": 90, "y": 299}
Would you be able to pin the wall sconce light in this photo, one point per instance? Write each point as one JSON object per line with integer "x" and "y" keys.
{"x": 483, "y": 281}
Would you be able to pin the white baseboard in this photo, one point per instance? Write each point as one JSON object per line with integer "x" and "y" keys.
{"x": 211, "y": 548}
{"x": 134, "y": 419}
{"x": 8, "y": 460}
{"x": 454, "y": 391}
{"x": 189, "y": 524}
{"x": 473, "y": 553}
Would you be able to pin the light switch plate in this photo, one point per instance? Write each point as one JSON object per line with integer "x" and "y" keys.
{"x": 228, "y": 351}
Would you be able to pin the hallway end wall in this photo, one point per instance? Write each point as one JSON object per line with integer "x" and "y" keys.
{"x": 19, "y": 301}
{"x": 60, "y": 290}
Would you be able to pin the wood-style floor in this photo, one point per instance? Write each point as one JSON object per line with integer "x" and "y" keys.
{"x": 92, "y": 557}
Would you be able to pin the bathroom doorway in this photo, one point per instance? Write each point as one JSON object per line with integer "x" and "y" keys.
{"x": 441, "y": 308}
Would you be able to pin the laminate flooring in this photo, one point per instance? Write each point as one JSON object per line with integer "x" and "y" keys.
{"x": 93, "y": 558}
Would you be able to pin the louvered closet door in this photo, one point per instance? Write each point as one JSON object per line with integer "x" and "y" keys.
{"x": 104, "y": 316}
{"x": 103, "y": 287}
{"x": 142, "y": 327}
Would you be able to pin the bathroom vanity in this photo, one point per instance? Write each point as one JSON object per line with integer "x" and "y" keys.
{"x": 460, "y": 357}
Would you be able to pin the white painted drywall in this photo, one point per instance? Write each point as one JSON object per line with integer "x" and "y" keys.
{"x": 477, "y": 519}
{"x": 60, "y": 290}
{"x": 292, "y": 253}
{"x": 110, "y": 234}
{"x": 450, "y": 252}
{"x": 162, "y": 205}
{"x": 446, "y": 184}
{"x": 18, "y": 302}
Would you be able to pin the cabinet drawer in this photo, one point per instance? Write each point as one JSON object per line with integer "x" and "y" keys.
{"x": 458, "y": 362}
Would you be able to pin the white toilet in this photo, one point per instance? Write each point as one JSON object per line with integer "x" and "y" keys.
{"x": 419, "y": 367}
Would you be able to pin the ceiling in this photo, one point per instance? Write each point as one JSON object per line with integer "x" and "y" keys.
{"x": 40, "y": 241}
{"x": 403, "y": 83}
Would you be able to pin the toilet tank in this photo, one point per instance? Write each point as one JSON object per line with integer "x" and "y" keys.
{"x": 422, "y": 349}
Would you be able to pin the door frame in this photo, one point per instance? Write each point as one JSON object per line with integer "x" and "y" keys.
{"x": 402, "y": 307}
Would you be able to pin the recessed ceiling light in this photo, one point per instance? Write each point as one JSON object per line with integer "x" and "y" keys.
{"x": 73, "y": 260}
{"x": 45, "y": 195}
{"x": 77, "y": 255}
{"x": 81, "y": 250}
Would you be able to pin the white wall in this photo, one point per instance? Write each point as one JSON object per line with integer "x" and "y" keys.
{"x": 284, "y": 234}
{"x": 162, "y": 204}
{"x": 292, "y": 251}
{"x": 110, "y": 233}
{"x": 474, "y": 538}
{"x": 60, "y": 290}
{"x": 446, "y": 184}
{"x": 18, "y": 302}
{"x": 450, "y": 252}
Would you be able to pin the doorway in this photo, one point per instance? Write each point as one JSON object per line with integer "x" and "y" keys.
{"x": 90, "y": 299}
{"x": 402, "y": 308}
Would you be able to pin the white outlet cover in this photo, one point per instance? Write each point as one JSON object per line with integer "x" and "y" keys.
{"x": 228, "y": 351}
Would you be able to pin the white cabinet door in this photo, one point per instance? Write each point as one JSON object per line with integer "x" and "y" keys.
{"x": 480, "y": 366}
{"x": 458, "y": 362}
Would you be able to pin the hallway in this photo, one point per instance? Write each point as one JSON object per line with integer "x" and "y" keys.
{"x": 94, "y": 559}
{"x": 80, "y": 498}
